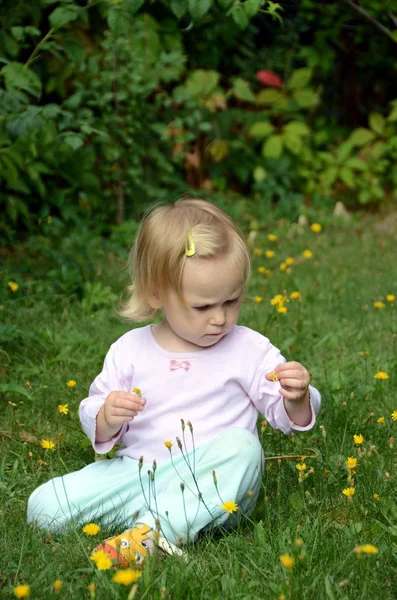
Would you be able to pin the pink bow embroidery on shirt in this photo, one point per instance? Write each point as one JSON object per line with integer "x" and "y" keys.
{"x": 179, "y": 364}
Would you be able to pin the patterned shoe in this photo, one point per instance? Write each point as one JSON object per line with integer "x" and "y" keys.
{"x": 132, "y": 547}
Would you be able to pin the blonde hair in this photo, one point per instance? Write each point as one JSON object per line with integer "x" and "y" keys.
{"x": 158, "y": 255}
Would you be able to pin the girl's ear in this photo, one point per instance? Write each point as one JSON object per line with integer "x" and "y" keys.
{"x": 154, "y": 301}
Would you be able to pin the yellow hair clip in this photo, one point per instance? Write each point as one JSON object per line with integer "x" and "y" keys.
{"x": 190, "y": 249}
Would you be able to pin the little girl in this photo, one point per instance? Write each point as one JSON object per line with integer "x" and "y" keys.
{"x": 182, "y": 396}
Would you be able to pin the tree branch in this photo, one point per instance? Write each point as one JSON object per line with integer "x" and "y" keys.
{"x": 361, "y": 11}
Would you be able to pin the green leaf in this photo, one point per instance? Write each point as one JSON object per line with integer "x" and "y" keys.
{"x": 361, "y": 136}
{"x": 393, "y": 115}
{"x": 306, "y": 98}
{"x": 62, "y": 15}
{"x": 347, "y": 176}
{"x": 117, "y": 21}
{"x": 178, "y": 7}
{"x": 293, "y": 143}
{"x": 261, "y": 129}
{"x": 273, "y": 147}
{"x": 242, "y": 90}
{"x": 74, "y": 141}
{"x": 17, "y": 76}
{"x": 218, "y": 150}
{"x": 377, "y": 150}
{"x": 133, "y": 6}
{"x": 300, "y": 78}
{"x": 50, "y": 111}
{"x": 328, "y": 588}
{"x": 18, "y": 33}
{"x": 13, "y": 388}
{"x": 377, "y": 122}
{"x": 267, "y": 97}
{"x": 259, "y": 174}
{"x": 251, "y": 7}
{"x": 198, "y": 8}
{"x": 357, "y": 164}
{"x": 296, "y": 128}
{"x": 329, "y": 176}
{"x": 239, "y": 16}
{"x": 202, "y": 82}
{"x": 344, "y": 151}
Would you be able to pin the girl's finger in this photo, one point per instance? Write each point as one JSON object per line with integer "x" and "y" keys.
{"x": 293, "y": 383}
{"x": 293, "y": 395}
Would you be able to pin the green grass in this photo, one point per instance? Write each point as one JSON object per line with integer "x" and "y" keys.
{"x": 58, "y": 326}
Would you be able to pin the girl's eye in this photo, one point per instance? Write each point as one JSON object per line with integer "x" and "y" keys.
{"x": 201, "y": 308}
{"x": 232, "y": 301}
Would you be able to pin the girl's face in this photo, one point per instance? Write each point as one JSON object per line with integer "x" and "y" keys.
{"x": 212, "y": 290}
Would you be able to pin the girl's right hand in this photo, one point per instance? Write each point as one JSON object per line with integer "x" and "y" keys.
{"x": 119, "y": 408}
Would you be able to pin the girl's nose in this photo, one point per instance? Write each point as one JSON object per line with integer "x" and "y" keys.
{"x": 218, "y": 317}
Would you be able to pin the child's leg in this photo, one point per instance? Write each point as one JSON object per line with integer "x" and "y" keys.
{"x": 235, "y": 456}
{"x": 107, "y": 490}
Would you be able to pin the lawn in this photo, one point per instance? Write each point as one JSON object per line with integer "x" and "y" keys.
{"x": 58, "y": 295}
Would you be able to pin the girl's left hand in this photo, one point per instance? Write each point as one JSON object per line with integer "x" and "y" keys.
{"x": 294, "y": 380}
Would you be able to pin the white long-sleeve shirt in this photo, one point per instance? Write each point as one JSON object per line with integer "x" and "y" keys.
{"x": 216, "y": 388}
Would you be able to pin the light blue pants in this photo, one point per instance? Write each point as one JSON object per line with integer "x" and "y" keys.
{"x": 117, "y": 492}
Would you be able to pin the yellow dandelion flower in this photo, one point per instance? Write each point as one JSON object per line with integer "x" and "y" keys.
{"x": 47, "y": 444}
{"x": 92, "y": 589}
{"x": 258, "y": 299}
{"x": 230, "y": 506}
{"x": 366, "y": 549}
{"x": 264, "y": 271}
{"x": 379, "y": 304}
{"x": 301, "y": 467}
{"x": 168, "y": 445}
{"x": 289, "y": 261}
{"x": 376, "y": 497}
{"x": 316, "y": 227}
{"x": 391, "y": 298}
{"x": 71, "y": 383}
{"x": 91, "y": 529}
{"x": 137, "y": 392}
{"x": 307, "y": 254}
{"x": 381, "y": 375}
{"x": 358, "y": 439}
{"x": 101, "y": 560}
{"x": 283, "y": 266}
{"x": 57, "y": 585}
{"x": 394, "y": 415}
{"x": 126, "y": 576}
{"x": 14, "y": 287}
{"x": 287, "y": 561}
{"x": 295, "y": 295}
{"x": 298, "y": 543}
{"x": 381, "y": 420}
{"x": 21, "y": 591}
{"x": 269, "y": 253}
{"x": 63, "y": 409}
{"x": 272, "y": 238}
{"x": 278, "y": 300}
{"x": 258, "y": 252}
{"x": 350, "y": 491}
{"x": 352, "y": 462}
{"x": 282, "y": 310}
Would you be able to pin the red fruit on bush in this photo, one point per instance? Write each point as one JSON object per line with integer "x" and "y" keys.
{"x": 269, "y": 78}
